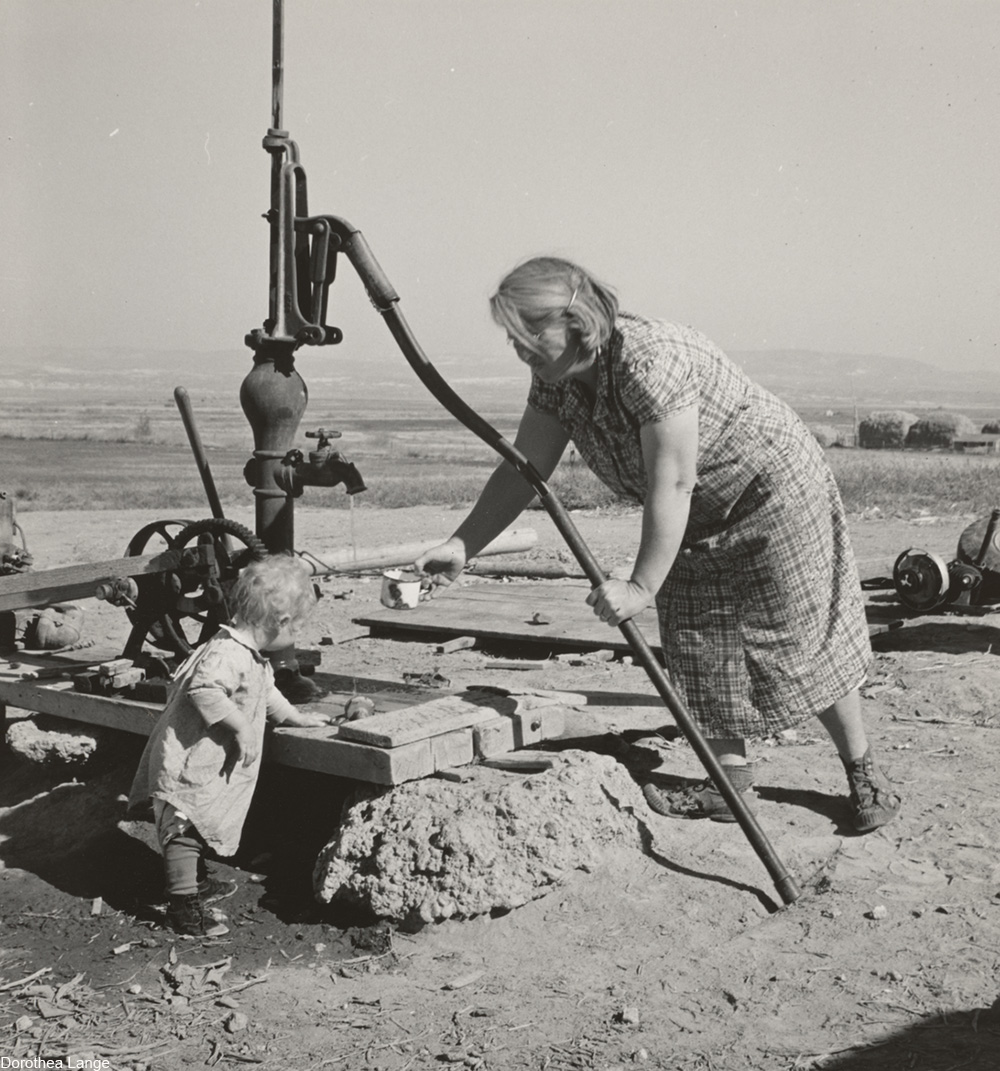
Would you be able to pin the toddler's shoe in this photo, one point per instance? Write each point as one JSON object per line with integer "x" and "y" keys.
{"x": 186, "y": 915}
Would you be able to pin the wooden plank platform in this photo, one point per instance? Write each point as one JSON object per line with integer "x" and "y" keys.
{"x": 507, "y": 613}
{"x": 70, "y": 582}
{"x": 416, "y": 732}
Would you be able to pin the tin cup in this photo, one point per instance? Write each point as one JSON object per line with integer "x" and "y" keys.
{"x": 401, "y": 589}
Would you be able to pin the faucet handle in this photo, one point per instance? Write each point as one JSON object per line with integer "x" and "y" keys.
{"x": 324, "y": 436}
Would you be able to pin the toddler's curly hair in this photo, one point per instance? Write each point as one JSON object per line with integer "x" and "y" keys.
{"x": 267, "y": 590}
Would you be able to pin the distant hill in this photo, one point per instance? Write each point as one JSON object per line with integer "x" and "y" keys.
{"x": 806, "y": 379}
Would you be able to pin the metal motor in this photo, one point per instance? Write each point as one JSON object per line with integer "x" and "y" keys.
{"x": 924, "y": 581}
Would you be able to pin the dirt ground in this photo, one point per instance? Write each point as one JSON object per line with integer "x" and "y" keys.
{"x": 676, "y": 958}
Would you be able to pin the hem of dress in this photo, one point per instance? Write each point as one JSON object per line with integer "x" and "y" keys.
{"x": 212, "y": 842}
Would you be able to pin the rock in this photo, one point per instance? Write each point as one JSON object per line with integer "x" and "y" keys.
{"x": 433, "y": 849}
{"x": 46, "y": 739}
{"x": 236, "y": 1022}
{"x": 54, "y": 627}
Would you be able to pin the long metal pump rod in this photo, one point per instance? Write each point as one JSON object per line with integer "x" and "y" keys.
{"x": 277, "y": 62}
{"x": 384, "y": 298}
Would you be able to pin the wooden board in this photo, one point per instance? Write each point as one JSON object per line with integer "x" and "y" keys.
{"x": 432, "y": 718}
{"x": 60, "y": 700}
{"x": 70, "y": 582}
{"x": 506, "y": 612}
{"x": 432, "y": 731}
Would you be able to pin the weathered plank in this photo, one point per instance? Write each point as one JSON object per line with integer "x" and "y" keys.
{"x": 491, "y": 611}
{"x": 522, "y": 762}
{"x": 533, "y": 726}
{"x": 61, "y": 700}
{"x": 521, "y": 729}
{"x": 322, "y": 751}
{"x": 338, "y": 689}
{"x": 493, "y": 737}
{"x": 77, "y": 581}
{"x": 507, "y": 613}
{"x": 450, "y": 712}
{"x": 452, "y": 749}
{"x": 443, "y": 724}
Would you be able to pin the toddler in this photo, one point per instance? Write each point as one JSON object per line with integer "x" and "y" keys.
{"x": 201, "y": 762}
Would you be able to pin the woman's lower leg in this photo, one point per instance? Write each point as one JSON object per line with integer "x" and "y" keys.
{"x": 843, "y": 721}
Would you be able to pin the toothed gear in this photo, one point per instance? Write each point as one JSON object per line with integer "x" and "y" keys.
{"x": 189, "y": 592}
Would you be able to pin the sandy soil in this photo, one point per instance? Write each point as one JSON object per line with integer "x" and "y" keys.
{"x": 679, "y": 958}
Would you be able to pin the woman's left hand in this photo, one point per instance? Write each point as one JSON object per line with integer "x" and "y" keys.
{"x": 616, "y": 601}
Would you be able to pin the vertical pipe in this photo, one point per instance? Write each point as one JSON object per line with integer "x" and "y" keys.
{"x": 277, "y": 63}
{"x": 274, "y": 397}
{"x": 275, "y": 280}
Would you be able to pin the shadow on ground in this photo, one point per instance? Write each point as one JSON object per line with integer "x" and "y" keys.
{"x": 966, "y": 1040}
{"x": 78, "y": 878}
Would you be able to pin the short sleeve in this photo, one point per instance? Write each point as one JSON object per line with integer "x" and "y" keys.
{"x": 654, "y": 385}
{"x": 213, "y": 682}
{"x": 279, "y": 709}
{"x": 544, "y": 397}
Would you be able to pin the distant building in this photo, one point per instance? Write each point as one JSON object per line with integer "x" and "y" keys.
{"x": 986, "y": 443}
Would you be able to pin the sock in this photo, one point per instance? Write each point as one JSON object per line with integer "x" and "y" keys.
{"x": 180, "y": 864}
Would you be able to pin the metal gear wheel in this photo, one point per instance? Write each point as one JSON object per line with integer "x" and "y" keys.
{"x": 180, "y": 609}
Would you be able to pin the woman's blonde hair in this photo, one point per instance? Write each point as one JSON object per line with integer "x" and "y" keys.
{"x": 268, "y": 590}
{"x": 544, "y": 289}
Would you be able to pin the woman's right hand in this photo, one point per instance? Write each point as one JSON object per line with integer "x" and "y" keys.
{"x": 442, "y": 565}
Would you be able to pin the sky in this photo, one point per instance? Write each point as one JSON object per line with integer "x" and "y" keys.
{"x": 781, "y": 174}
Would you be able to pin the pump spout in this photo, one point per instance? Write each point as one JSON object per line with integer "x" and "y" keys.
{"x": 324, "y": 467}
{"x": 297, "y": 473}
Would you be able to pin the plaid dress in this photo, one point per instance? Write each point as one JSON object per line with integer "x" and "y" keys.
{"x": 190, "y": 760}
{"x": 761, "y": 617}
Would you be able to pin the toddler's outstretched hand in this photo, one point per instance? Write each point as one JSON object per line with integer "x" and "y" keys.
{"x": 303, "y": 720}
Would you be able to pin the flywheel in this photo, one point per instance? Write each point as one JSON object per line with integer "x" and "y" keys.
{"x": 921, "y": 579}
{"x": 180, "y": 609}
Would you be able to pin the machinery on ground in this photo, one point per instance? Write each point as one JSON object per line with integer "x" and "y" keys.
{"x": 924, "y": 581}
